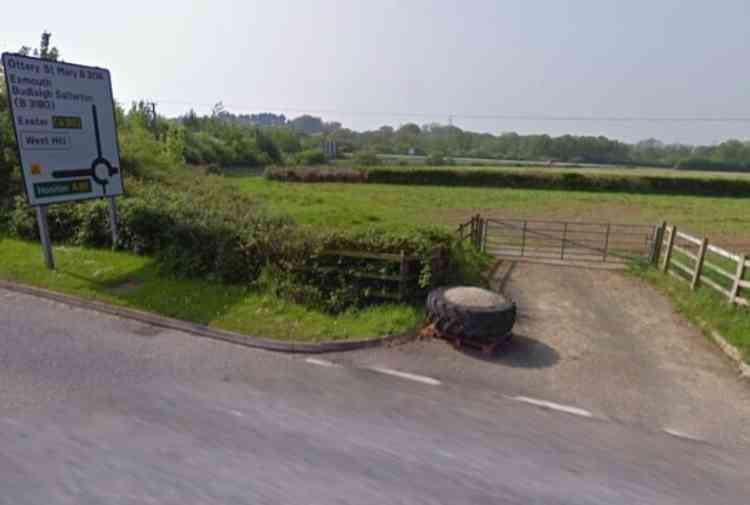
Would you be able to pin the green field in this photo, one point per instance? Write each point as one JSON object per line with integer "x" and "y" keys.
{"x": 725, "y": 220}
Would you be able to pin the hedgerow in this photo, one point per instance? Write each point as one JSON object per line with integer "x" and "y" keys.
{"x": 705, "y": 186}
{"x": 203, "y": 227}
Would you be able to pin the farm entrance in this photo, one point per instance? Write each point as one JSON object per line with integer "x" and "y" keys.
{"x": 565, "y": 241}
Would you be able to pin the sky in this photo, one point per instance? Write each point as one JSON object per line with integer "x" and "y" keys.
{"x": 494, "y": 66}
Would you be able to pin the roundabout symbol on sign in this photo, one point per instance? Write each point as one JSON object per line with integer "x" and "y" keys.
{"x": 101, "y": 168}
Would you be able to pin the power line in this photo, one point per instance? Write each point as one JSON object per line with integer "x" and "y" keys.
{"x": 453, "y": 116}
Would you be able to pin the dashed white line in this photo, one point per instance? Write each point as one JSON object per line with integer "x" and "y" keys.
{"x": 682, "y": 434}
{"x": 387, "y": 371}
{"x": 406, "y": 375}
{"x": 322, "y": 362}
{"x": 552, "y": 406}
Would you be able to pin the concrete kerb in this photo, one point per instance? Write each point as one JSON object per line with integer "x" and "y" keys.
{"x": 200, "y": 329}
{"x": 731, "y": 351}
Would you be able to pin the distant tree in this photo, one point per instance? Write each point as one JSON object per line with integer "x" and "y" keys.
{"x": 286, "y": 139}
{"x": 8, "y": 160}
{"x": 307, "y": 124}
{"x": 409, "y": 129}
{"x": 190, "y": 120}
{"x": 44, "y": 51}
{"x": 331, "y": 126}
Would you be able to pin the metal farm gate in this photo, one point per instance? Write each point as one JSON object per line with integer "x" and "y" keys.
{"x": 568, "y": 241}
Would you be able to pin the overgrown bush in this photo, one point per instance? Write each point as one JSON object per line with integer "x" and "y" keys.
{"x": 202, "y": 227}
{"x": 366, "y": 159}
{"x": 712, "y": 165}
{"x": 9, "y": 181}
{"x": 310, "y": 157}
{"x": 435, "y": 160}
{"x": 229, "y": 145}
{"x": 141, "y": 155}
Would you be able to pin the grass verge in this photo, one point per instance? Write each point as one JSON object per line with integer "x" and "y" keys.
{"x": 134, "y": 281}
{"x": 704, "y": 307}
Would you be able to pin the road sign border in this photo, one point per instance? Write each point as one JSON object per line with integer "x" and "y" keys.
{"x": 18, "y": 144}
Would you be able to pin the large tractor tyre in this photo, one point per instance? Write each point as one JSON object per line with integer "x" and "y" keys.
{"x": 473, "y": 313}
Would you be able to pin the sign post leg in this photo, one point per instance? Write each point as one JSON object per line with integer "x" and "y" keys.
{"x": 41, "y": 217}
{"x": 113, "y": 220}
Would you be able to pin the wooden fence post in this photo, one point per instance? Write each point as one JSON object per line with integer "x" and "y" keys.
{"x": 699, "y": 264}
{"x": 484, "y": 235}
{"x": 402, "y": 277}
{"x": 670, "y": 244}
{"x": 478, "y": 233}
{"x": 737, "y": 279}
{"x": 606, "y": 244}
{"x": 658, "y": 243}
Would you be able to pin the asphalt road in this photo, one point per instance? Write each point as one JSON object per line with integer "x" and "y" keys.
{"x": 600, "y": 340}
{"x": 94, "y": 409}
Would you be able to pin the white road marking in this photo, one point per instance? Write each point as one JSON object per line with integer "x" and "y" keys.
{"x": 552, "y": 406}
{"x": 682, "y": 434}
{"x": 236, "y": 413}
{"x": 322, "y": 362}
{"x": 406, "y": 375}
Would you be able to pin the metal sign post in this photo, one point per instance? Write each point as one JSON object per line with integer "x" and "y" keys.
{"x": 63, "y": 117}
{"x": 113, "y": 220}
{"x": 41, "y": 219}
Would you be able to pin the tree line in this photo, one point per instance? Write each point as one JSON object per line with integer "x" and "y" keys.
{"x": 438, "y": 140}
{"x": 222, "y": 138}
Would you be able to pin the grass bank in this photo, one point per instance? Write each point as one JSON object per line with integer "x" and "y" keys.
{"x": 704, "y": 307}
{"x": 135, "y": 281}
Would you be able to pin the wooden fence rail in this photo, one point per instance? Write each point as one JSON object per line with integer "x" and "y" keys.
{"x": 697, "y": 262}
{"x": 399, "y": 286}
{"x": 475, "y": 229}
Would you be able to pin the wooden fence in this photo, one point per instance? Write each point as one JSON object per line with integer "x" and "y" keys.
{"x": 698, "y": 262}
{"x": 474, "y": 230}
{"x": 368, "y": 268}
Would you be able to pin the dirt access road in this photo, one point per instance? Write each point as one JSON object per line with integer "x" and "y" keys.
{"x": 597, "y": 340}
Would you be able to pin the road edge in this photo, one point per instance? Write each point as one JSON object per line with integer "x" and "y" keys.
{"x": 732, "y": 351}
{"x": 202, "y": 330}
